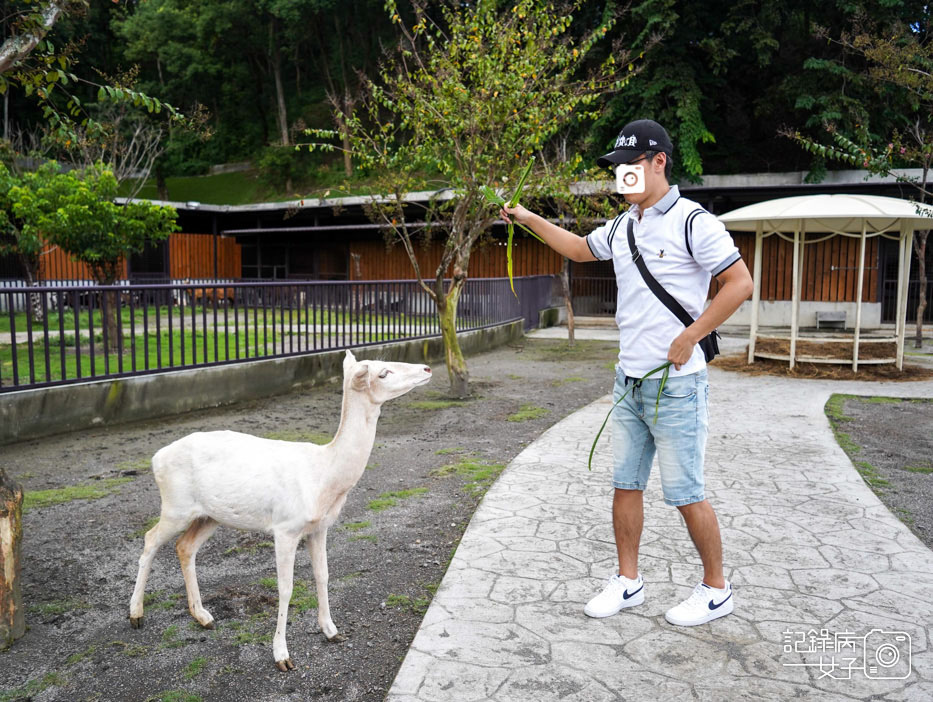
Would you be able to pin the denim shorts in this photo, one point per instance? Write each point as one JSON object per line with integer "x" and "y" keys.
{"x": 678, "y": 434}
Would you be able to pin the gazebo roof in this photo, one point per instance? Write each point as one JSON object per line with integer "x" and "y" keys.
{"x": 831, "y": 213}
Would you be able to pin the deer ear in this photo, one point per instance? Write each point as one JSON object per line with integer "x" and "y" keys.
{"x": 361, "y": 379}
{"x": 348, "y": 360}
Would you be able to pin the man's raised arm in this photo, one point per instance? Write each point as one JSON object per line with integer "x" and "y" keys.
{"x": 563, "y": 242}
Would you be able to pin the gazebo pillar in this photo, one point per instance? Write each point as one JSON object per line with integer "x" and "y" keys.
{"x": 756, "y": 294}
{"x": 795, "y": 297}
{"x": 858, "y": 299}
{"x": 903, "y": 278}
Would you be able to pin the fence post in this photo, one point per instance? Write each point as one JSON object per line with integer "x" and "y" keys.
{"x": 12, "y": 623}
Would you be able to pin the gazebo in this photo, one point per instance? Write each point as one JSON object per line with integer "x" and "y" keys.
{"x": 861, "y": 216}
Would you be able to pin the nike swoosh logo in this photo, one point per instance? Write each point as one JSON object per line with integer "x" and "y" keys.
{"x": 627, "y": 594}
{"x": 717, "y": 606}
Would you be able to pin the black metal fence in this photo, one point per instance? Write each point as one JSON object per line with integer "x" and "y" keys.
{"x": 53, "y": 335}
{"x": 593, "y": 296}
{"x": 889, "y": 301}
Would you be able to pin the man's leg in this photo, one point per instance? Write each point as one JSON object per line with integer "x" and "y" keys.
{"x": 704, "y": 530}
{"x": 628, "y": 518}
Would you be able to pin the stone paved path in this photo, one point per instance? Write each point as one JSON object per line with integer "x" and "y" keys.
{"x": 807, "y": 546}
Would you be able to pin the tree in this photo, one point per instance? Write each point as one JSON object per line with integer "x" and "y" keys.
{"x": 902, "y": 61}
{"x": 77, "y": 212}
{"x": 19, "y": 233}
{"x": 473, "y": 92}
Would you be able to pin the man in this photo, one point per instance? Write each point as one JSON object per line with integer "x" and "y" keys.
{"x": 682, "y": 246}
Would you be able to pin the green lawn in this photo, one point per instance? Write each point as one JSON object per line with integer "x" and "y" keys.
{"x": 165, "y": 352}
{"x": 272, "y": 315}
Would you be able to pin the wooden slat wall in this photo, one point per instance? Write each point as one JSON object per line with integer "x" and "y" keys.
{"x": 820, "y": 283}
{"x": 192, "y": 256}
{"x": 370, "y": 260}
{"x": 58, "y": 265}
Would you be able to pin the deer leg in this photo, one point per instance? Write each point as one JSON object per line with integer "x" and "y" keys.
{"x": 187, "y": 549}
{"x": 161, "y": 533}
{"x": 285, "y": 547}
{"x": 317, "y": 547}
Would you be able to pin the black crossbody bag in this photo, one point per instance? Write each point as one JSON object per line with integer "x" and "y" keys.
{"x": 708, "y": 343}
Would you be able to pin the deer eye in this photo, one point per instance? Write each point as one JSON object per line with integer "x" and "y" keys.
{"x": 384, "y": 373}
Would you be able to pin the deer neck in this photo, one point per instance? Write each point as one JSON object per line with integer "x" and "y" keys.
{"x": 355, "y": 436}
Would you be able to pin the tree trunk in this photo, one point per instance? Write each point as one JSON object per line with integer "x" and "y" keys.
{"x": 34, "y": 311}
{"x": 347, "y": 162}
{"x": 565, "y": 287}
{"x": 920, "y": 245}
{"x": 457, "y": 371}
{"x": 279, "y": 91}
{"x": 161, "y": 185}
{"x": 12, "y": 623}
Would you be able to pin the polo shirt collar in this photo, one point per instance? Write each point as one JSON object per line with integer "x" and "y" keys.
{"x": 665, "y": 203}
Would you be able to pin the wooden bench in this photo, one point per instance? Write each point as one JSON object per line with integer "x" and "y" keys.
{"x": 831, "y": 318}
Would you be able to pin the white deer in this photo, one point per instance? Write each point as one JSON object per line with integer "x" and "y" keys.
{"x": 289, "y": 489}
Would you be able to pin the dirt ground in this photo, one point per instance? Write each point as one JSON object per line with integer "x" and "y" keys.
{"x": 890, "y": 442}
{"x": 432, "y": 461}
{"x": 387, "y": 553}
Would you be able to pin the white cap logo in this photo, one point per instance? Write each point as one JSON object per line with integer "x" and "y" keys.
{"x": 652, "y": 142}
{"x": 623, "y": 141}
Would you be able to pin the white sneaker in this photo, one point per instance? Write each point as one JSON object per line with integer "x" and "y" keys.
{"x": 621, "y": 592}
{"x": 705, "y": 604}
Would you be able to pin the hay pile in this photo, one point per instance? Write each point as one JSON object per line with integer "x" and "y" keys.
{"x": 829, "y": 349}
{"x": 821, "y": 371}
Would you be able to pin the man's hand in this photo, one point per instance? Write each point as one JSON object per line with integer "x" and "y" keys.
{"x": 517, "y": 214}
{"x": 682, "y": 348}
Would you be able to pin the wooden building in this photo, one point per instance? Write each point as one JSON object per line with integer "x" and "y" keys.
{"x": 334, "y": 240}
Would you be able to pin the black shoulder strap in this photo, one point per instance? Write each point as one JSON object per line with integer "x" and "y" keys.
{"x": 665, "y": 297}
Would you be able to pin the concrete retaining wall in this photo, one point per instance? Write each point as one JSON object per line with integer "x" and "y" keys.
{"x": 777, "y": 313}
{"x": 30, "y": 414}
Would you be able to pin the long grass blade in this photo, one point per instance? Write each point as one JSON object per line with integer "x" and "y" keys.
{"x": 657, "y": 404}
{"x": 666, "y": 366}
{"x": 521, "y": 183}
{"x": 508, "y": 257}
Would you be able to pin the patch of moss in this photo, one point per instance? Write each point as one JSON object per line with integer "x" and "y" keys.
{"x": 418, "y": 605}
{"x": 880, "y": 400}
{"x": 170, "y": 638}
{"x": 33, "y": 687}
{"x": 527, "y": 412}
{"x": 83, "y": 655}
{"x": 390, "y": 499}
{"x": 138, "y": 465}
{"x": 307, "y": 437}
{"x": 244, "y": 634}
{"x": 446, "y": 451}
{"x": 48, "y": 609}
{"x": 194, "y": 668}
{"x": 302, "y": 598}
{"x": 435, "y": 404}
{"x": 174, "y": 696}
{"x": 563, "y": 381}
{"x": 919, "y": 469}
{"x": 356, "y": 526}
{"x": 365, "y": 537}
{"x": 141, "y": 532}
{"x": 480, "y": 475}
{"x": 37, "y": 499}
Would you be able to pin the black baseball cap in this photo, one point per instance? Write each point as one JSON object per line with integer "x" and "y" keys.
{"x": 636, "y": 138}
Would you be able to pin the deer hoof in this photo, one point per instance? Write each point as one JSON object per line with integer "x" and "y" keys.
{"x": 136, "y": 622}
{"x": 285, "y": 665}
{"x": 337, "y": 638}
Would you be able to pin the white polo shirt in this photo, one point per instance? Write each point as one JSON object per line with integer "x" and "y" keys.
{"x": 683, "y": 266}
